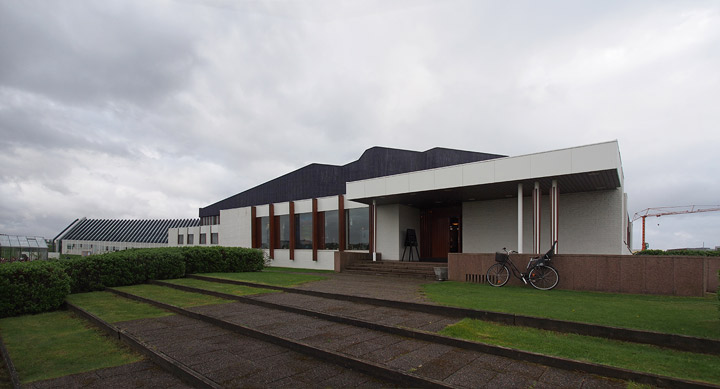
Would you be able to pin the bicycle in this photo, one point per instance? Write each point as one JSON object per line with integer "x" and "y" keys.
{"x": 540, "y": 274}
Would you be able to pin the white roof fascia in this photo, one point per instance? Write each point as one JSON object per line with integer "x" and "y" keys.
{"x": 581, "y": 159}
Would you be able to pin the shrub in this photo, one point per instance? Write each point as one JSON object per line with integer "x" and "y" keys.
{"x": 222, "y": 259}
{"x": 32, "y": 287}
{"x": 122, "y": 268}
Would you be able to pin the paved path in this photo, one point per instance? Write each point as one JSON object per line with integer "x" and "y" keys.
{"x": 143, "y": 374}
{"x": 234, "y": 360}
{"x": 383, "y": 287}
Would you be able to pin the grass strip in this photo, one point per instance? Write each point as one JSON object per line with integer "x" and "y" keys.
{"x": 237, "y": 290}
{"x": 269, "y": 278}
{"x": 56, "y": 344}
{"x": 638, "y": 357}
{"x": 113, "y": 308}
{"x": 278, "y": 269}
{"x": 172, "y": 296}
{"x": 692, "y": 316}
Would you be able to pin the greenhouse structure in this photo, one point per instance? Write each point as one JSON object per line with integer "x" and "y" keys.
{"x": 22, "y": 248}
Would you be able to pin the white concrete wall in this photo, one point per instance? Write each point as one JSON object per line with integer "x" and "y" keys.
{"x": 235, "y": 229}
{"x": 80, "y": 247}
{"x": 588, "y": 224}
{"x": 392, "y": 223}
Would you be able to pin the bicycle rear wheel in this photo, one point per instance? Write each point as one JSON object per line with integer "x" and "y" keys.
{"x": 543, "y": 277}
{"x": 498, "y": 274}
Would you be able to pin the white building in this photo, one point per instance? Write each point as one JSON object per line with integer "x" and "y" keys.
{"x": 454, "y": 201}
{"x": 96, "y": 236}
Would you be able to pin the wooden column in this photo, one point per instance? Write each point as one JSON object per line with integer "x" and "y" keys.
{"x": 273, "y": 236}
{"x": 341, "y": 222}
{"x": 292, "y": 230}
{"x": 315, "y": 241}
{"x": 253, "y": 228}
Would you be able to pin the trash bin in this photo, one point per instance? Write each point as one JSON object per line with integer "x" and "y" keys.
{"x": 441, "y": 273}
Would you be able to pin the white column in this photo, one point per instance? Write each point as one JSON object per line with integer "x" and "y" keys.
{"x": 520, "y": 219}
{"x": 554, "y": 216}
{"x": 374, "y": 248}
{"x": 536, "y": 217}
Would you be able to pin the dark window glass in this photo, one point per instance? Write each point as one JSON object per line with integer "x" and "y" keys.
{"x": 203, "y": 238}
{"x": 358, "y": 229}
{"x": 328, "y": 230}
{"x": 180, "y": 239}
{"x": 214, "y": 238}
{"x": 303, "y": 231}
{"x": 191, "y": 239}
{"x": 265, "y": 232}
{"x": 282, "y": 232}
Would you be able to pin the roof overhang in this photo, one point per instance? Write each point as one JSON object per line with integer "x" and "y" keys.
{"x": 578, "y": 169}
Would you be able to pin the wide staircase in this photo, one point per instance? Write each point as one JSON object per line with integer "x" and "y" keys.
{"x": 395, "y": 268}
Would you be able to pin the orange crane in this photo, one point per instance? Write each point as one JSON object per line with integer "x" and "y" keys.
{"x": 663, "y": 211}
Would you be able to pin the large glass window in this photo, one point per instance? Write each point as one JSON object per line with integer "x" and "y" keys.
{"x": 191, "y": 239}
{"x": 328, "y": 230}
{"x": 214, "y": 238}
{"x": 264, "y": 230}
{"x": 203, "y": 238}
{"x": 303, "y": 231}
{"x": 180, "y": 240}
{"x": 358, "y": 228}
{"x": 282, "y": 232}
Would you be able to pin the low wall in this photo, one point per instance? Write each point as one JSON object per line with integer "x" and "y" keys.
{"x": 639, "y": 274}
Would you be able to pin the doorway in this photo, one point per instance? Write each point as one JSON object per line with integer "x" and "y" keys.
{"x": 440, "y": 232}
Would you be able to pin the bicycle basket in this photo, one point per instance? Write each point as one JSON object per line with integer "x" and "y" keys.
{"x": 501, "y": 257}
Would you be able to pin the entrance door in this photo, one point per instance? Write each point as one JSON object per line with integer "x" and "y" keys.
{"x": 441, "y": 232}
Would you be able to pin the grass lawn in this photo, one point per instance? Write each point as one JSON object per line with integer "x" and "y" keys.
{"x": 693, "y": 316}
{"x": 113, "y": 308}
{"x": 57, "y": 344}
{"x": 295, "y": 270}
{"x": 269, "y": 278}
{"x": 651, "y": 359}
{"x": 237, "y": 290}
{"x": 172, "y": 296}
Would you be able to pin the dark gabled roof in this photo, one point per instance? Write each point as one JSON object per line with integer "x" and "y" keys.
{"x": 138, "y": 231}
{"x": 318, "y": 180}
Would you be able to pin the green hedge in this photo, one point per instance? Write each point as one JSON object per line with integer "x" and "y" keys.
{"x": 122, "y": 268}
{"x": 222, "y": 259}
{"x": 32, "y": 287}
{"x": 695, "y": 253}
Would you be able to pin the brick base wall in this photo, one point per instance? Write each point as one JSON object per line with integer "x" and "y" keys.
{"x": 642, "y": 274}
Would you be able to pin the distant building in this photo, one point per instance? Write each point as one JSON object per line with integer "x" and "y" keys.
{"x": 96, "y": 236}
{"x": 22, "y": 248}
{"x": 456, "y": 201}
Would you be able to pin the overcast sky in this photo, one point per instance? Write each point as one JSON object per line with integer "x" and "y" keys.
{"x": 152, "y": 109}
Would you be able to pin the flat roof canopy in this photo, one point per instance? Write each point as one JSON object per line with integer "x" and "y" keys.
{"x": 579, "y": 169}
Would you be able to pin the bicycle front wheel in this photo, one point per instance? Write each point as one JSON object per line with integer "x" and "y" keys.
{"x": 498, "y": 275}
{"x": 543, "y": 277}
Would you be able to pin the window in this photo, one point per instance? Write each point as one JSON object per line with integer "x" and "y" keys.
{"x": 282, "y": 232}
{"x": 191, "y": 239}
{"x": 214, "y": 238}
{"x": 303, "y": 231}
{"x": 263, "y": 228}
{"x": 328, "y": 230}
{"x": 203, "y": 238}
{"x": 180, "y": 239}
{"x": 210, "y": 220}
{"x": 358, "y": 229}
